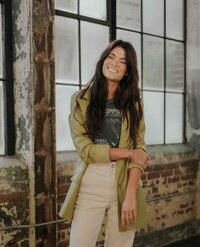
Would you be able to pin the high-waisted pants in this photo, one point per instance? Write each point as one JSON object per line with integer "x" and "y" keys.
{"x": 98, "y": 194}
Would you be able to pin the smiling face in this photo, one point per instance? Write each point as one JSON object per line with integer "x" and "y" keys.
{"x": 114, "y": 66}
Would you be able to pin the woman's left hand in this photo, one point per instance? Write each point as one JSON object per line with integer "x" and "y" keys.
{"x": 129, "y": 210}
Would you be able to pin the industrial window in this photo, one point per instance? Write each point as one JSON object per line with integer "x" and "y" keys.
{"x": 156, "y": 30}
{"x": 2, "y": 82}
{"x": 7, "y": 141}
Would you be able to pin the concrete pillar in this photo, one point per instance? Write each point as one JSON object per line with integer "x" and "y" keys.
{"x": 193, "y": 84}
{"x": 34, "y": 80}
{"x": 44, "y": 118}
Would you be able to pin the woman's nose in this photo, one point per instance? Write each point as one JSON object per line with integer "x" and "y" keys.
{"x": 115, "y": 63}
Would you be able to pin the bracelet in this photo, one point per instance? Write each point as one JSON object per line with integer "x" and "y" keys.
{"x": 129, "y": 153}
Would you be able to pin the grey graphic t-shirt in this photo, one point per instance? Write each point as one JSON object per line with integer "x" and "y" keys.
{"x": 111, "y": 129}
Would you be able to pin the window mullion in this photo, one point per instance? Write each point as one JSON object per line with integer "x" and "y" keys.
{"x": 10, "y": 140}
{"x": 112, "y": 9}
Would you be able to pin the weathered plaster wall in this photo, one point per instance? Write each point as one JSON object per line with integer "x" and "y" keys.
{"x": 14, "y": 203}
{"x": 193, "y": 84}
{"x": 193, "y": 71}
{"x": 16, "y": 188}
{"x": 23, "y": 80}
{"x": 34, "y": 89}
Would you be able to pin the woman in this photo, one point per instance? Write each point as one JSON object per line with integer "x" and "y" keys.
{"x": 107, "y": 128}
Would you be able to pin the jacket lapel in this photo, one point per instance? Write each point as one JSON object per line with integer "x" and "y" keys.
{"x": 124, "y": 135}
{"x": 83, "y": 103}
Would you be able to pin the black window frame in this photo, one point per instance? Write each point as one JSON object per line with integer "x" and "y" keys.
{"x": 111, "y": 5}
{"x": 112, "y": 23}
{"x": 8, "y": 85}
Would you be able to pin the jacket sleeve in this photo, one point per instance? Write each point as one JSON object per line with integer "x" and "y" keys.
{"x": 140, "y": 142}
{"x": 87, "y": 150}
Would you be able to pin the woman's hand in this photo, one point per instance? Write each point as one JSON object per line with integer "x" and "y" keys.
{"x": 129, "y": 210}
{"x": 139, "y": 156}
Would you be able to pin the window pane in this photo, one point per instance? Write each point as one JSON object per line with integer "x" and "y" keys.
{"x": 2, "y": 144}
{"x": 63, "y": 135}
{"x": 67, "y": 5}
{"x": 153, "y": 16}
{"x": 67, "y": 65}
{"x": 95, "y": 9}
{"x": 174, "y": 118}
{"x": 129, "y": 14}
{"x": 94, "y": 39}
{"x": 153, "y": 62}
{"x": 135, "y": 40}
{"x": 1, "y": 46}
{"x": 174, "y": 66}
{"x": 154, "y": 117}
{"x": 175, "y": 19}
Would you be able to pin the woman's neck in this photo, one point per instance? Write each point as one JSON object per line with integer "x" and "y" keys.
{"x": 112, "y": 87}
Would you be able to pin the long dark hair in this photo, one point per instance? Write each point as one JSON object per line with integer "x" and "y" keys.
{"x": 126, "y": 98}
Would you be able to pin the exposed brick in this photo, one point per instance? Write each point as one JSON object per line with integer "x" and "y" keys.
{"x": 179, "y": 185}
{"x": 180, "y": 212}
{"x": 184, "y": 205}
{"x": 61, "y": 197}
{"x": 190, "y": 209}
{"x": 153, "y": 175}
{"x": 16, "y": 196}
{"x": 158, "y": 181}
{"x": 187, "y": 163}
{"x": 191, "y": 183}
{"x": 175, "y": 179}
{"x": 25, "y": 243}
{"x": 155, "y": 190}
{"x": 164, "y": 181}
{"x": 187, "y": 177}
{"x": 143, "y": 177}
{"x": 62, "y": 188}
{"x": 191, "y": 169}
{"x": 172, "y": 165}
{"x": 153, "y": 168}
{"x": 63, "y": 226}
{"x": 177, "y": 172}
{"x": 167, "y": 173}
{"x": 63, "y": 244}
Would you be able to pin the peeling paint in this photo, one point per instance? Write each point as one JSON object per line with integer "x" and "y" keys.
{"x": 14, "y": 202}
{"x": 25, "y": 137}
{"x": 193, "y": 71}
{"x": 23, "y": 79}
{"x": 194, "y": 100}
{"x": 195, "y": 140}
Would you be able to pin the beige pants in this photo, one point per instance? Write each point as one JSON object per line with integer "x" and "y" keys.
{"x": 97, "y": 195}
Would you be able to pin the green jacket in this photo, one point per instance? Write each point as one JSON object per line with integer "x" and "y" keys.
{"x": 99, "y": 153}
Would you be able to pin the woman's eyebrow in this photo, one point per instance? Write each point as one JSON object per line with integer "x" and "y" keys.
{"x": 112, "y": 54}
{"x": 121, "y": 58}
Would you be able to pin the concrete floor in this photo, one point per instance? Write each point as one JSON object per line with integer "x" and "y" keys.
{"x": 191, "y": 242}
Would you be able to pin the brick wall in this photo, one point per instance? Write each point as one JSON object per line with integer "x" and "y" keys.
{"x": 170, "y": 187}
{"x": 170, "y": 184}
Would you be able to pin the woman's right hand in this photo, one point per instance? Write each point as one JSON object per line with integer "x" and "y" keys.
{"x": 139, "y": 156}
